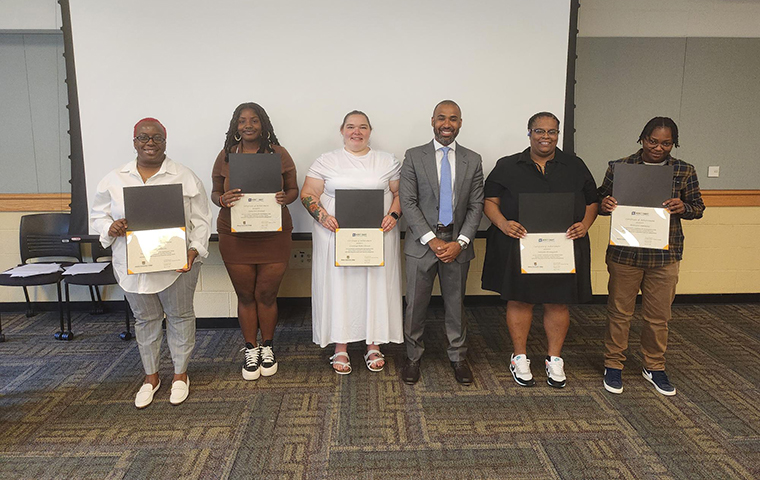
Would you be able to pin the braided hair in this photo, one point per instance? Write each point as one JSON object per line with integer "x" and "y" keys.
{"x": 660, "y": 122}
{"x": 268, "y": 138}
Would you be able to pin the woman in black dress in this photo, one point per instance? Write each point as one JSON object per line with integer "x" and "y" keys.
{"x": 541, "y": 168}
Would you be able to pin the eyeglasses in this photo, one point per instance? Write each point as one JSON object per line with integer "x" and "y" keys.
{"x": 653, "y": 143}
{"x": 158, "y": 139}
{"x": 541, "y": 131}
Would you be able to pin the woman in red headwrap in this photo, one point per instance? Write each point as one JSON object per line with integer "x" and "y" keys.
{"x": 155, "y": 295}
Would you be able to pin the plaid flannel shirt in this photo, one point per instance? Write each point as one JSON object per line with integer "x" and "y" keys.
{"x": 685, "y": 187}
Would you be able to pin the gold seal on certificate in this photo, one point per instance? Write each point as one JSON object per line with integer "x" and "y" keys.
{"x": 359, "y": 240}
{"x": 643, "y": 227}
{"x": 547, "y": 253}
{"x": 156, "y": 250}
{"x": 156, "y": 240}
{"x": 256, "y": 212}
{"x": 359, "y": 247}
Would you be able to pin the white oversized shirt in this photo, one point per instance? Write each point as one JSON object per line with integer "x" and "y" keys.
{"x": 108, "y": 206}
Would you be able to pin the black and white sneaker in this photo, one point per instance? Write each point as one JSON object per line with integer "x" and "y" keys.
{"x": 555, "y": 372}
{"x": 268, "y": 362}
{"x": 519, "y": 365}
{"x": 252, "y": 362}
{"x": 659, "y": 379}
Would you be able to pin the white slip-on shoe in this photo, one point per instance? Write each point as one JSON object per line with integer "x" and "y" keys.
{"x": 180, "y": 391}
{"x": 144, "y": 396}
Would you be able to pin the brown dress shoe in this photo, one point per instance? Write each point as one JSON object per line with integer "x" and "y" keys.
{"x": 410, "y": 374}
{"x": 462, "y": 372}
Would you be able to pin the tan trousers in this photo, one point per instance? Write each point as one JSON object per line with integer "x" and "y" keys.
{"x": 658, "y": 289}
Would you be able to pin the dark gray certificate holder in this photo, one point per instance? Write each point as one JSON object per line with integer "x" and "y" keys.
{"x": 640, "y": 185}
{"x": 256, "y": 172}
{"x": 153, "y": 207}
{"x": 546, "y": 212}
{"x": 359, "y": 208}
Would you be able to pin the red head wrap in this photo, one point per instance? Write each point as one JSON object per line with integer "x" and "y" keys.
{"x": 148, "y": 119}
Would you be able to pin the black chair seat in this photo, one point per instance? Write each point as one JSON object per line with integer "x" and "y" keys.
{"x": 106, "y": 277}
{"x": 46, "y": 279}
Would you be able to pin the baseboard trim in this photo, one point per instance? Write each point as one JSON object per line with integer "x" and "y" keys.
{"x": 437, "y": 301}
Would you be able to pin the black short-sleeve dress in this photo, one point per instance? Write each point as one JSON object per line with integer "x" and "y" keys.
{"x": 518, "y": 174}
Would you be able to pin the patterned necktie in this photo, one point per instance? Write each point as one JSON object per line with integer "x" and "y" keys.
{"x": 445, "y": 215}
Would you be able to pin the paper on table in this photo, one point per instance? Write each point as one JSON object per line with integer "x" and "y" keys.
{"x": 33, "y": 269}
{"x": 85, "y": 268}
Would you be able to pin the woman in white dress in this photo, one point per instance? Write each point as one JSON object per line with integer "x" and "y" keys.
{"x": 351, "y": 304}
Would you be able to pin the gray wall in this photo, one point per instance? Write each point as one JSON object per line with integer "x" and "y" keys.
{"x": 709, "y": 86}
{"x": 34, "y": 145}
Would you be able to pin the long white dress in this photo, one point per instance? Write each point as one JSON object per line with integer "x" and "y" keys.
{"x": 350, "y": 304}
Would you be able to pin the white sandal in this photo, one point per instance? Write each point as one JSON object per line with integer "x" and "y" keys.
{"x": 371, "y": 363}
{"x": 347, "y": 363}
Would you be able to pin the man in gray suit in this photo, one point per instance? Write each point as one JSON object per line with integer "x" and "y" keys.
{"x": 441, "y": 193}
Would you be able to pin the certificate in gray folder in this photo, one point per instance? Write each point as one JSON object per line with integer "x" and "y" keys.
{"x": 359, "y": 237}
{"x": 546, "y": 217}
{"x": 640, "y": 220}
{"x": 156, "y": 237}
{"x": 259, "y": 178}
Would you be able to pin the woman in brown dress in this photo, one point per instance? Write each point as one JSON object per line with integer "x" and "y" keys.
{"x": 255, "y": 261}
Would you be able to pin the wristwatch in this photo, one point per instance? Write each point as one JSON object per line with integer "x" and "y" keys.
{"x": 395, "y": 215}
{"x": 463, "y": 244}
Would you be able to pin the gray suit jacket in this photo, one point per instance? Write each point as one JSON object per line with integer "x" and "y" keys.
{"x": 418, "y": 191}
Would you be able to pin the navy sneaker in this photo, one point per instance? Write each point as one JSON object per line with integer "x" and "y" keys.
{"x": 613, "y": 380}
{"x": 659, "y": 379}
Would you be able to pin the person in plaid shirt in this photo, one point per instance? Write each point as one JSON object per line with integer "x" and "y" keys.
{"x": 653, "y": 271}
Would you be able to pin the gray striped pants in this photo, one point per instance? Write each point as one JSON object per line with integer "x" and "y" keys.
{"x": 176, "y": 301}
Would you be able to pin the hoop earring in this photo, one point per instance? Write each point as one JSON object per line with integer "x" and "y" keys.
{"x": 237, "y": 136}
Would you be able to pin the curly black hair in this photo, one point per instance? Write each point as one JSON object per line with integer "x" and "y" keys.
{"x": 268, "y": 138}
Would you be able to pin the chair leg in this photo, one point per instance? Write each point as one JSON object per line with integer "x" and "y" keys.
{"x": 68, "y": 313}
{"x": 101, "y": 307}
{"x": 64, "y": 334}
{"x": 126, "y": 335}
{"x": 2, "y": 335}
{"x": 29, "y": 309}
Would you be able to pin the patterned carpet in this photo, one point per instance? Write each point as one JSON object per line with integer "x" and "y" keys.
{"x": 66, "y": 408}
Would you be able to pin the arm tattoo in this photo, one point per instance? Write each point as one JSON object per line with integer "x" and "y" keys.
{"x": 315, "y": 208}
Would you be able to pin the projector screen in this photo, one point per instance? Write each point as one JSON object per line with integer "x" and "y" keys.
{"x": 190, "y": 63}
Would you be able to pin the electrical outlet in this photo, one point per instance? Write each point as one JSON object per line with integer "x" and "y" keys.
{"x": 713, "y": 171}
{"x": 300, "y": 259}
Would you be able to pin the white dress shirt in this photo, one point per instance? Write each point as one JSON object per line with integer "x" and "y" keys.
{"x": 452, "y": 156}
{"x": 108, "y": 206}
